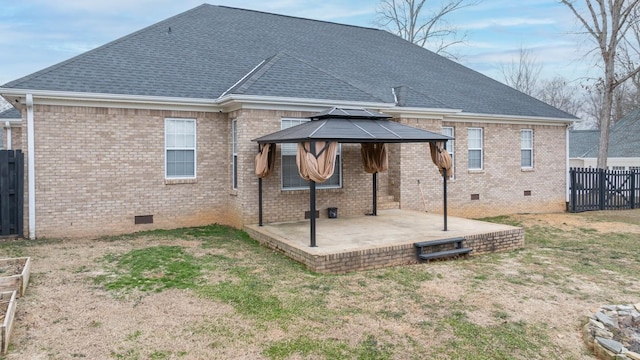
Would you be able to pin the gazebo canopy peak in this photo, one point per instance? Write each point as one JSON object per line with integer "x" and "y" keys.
{"x": 352, "y": 126}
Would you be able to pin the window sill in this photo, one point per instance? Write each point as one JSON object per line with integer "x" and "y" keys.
{"x": 527, "y": 169}
{"x": 180, "y": 181}
{"x": 233, "y": 192}
{"x": 476, "y": 171}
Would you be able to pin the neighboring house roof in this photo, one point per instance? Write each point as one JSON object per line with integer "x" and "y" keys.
{"x": 581, "y": 141}
{"x": 624, "y": 139}
{"x": 211, "y": 51}
{"x": 10, "y": 113}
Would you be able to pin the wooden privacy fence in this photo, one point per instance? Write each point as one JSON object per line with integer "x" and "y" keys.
{"x": 11, "y": 192}
{"x": 599, "y": 189}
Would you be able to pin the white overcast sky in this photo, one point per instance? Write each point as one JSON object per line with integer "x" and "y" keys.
{"x": 35, "y": 34}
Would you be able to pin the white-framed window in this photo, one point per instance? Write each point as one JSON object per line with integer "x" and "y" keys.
{"x": 526, "y": 148}
{"x": 234, "y": 154}
{"x": 618, "y": 168}
{"x": 450, "y": 147}
{"x": 291, "y": 179}
{"x": 475, "y": 148}
{"x": 180, "y": 148}
{"x": 634, "y": 168}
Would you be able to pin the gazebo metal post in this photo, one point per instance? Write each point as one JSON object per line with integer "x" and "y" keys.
{"x": 312, "y": 201}
{"x": 375, "y": 194}
{"x": 444, "y": 177}
{"x": 260, "y": 201}
{"x": 259, "y": 197}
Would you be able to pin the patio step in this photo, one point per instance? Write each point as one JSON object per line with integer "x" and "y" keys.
{"x": 388, "y": 202}
{"x": 442, "y": 248}
{"x": 389, "y": 205}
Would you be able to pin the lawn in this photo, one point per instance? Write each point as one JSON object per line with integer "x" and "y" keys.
{"x": 214, "y": 293}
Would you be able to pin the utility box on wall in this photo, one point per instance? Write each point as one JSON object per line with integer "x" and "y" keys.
{"x": 332, "y": 213}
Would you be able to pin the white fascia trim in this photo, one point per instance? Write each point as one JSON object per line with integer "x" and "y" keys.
{"x": 12, "y": 122}
{"x": 286, "y": 103}
{"x": 46, "y": 97}
{"x": 233, "y": 102}
{"x": 508, "y": 119}
{"x": 421, "y": 113}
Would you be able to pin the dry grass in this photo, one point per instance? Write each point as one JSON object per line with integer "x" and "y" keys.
{"x": 129, "y": 298}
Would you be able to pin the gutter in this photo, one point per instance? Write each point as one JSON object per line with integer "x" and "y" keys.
{"x": 230, "y": 102}
{"x": 31, "y": 156}
{"x": 566, "y": 167}
{"x": 47, "y": 97}
{"x": 7, "y": 127}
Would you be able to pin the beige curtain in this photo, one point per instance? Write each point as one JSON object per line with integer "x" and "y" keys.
{"x": 374, "y": 157}
{"x": 441, "y": 157}
{"x": 318, "y": 168}
{"x": 265, "y": 159}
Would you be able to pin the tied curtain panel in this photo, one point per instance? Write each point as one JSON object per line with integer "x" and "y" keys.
{"x": 317, "y": 165}
{"x": 441, "y": 158}
{"x": 265, "y": 159}
{"x": 374, "y": 157}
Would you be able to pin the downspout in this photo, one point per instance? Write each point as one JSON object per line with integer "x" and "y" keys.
{"x": 566, "y": 167}
{"x": 31, "y": 168}
{"x": 7, "y": 126}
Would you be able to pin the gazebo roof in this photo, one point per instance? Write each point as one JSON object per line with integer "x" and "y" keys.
{"x": 352, "y": 126}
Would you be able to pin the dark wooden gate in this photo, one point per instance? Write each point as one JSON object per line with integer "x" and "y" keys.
{"x": 599, "y": 189}
{"x": 11, "y": 192}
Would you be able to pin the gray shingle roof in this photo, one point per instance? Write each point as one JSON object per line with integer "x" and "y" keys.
{"x": 11, "y": 113}
{"x": 624, "y": 139}
{"x": 204, "y": 52}
{"x": 581, "y": 141}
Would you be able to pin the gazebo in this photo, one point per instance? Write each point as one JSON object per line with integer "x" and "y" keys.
{"x": 316, "y": 139}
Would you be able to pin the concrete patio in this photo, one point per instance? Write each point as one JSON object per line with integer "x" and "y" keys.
{"x": 366, "y": 242}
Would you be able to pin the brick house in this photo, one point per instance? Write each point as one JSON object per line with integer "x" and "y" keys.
{"x": 154, "y": 130}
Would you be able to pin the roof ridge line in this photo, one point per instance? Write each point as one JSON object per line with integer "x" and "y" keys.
{"x": 299, "y": 18}
{"x": 428, "y": 96}
{"x": 333, "y": 76}
{"x": 252, "y": 76}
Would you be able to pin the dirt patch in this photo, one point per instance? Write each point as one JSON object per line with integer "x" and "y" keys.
{"x": 66, "y": 314}
{"x": 12, "y": 267}
{"x": 597, "y": 220}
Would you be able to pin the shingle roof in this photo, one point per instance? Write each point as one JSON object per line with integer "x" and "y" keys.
{"x": 206, "y": 52}
{"x": 624, "y": 139}
{"x": 10, "y": 113}
{"x": 581, "y": 141}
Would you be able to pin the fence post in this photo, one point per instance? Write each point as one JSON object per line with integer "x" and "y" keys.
{"x": 602, "y": 184}
{"x": 632, "y": 186}
{"x": 572, "y": 188}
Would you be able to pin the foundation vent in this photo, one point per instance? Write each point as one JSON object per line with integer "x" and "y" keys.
{"x": 143, "y": 219}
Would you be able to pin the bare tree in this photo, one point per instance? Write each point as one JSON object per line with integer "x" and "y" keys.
{"x": 607, "y": 23}
{"x": 411, "y": 20}
{"x": 561, "y": 94}
{"x": 522, "y": 74}
{"x": 627, "y": 95}
{"x": 624, "y": 100}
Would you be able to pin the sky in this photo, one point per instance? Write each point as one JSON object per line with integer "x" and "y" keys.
{"x": 35, "y": 34}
